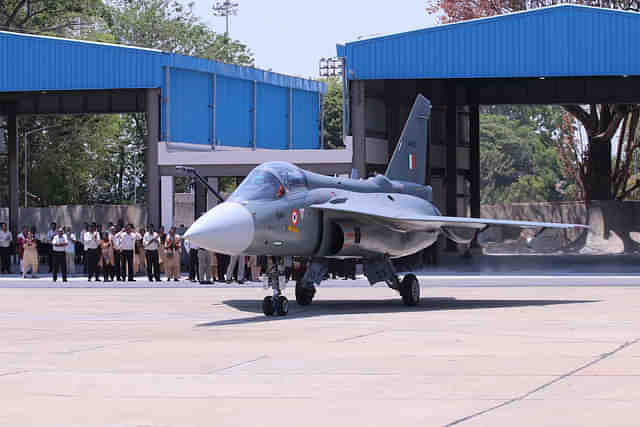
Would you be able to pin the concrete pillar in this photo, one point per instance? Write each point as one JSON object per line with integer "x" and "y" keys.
{"x": 152, "y": 169}
{"x": 211, "y": 199}
{"x": 168, "y": 201}
{"x": 358, "y": 127}
{"x": 199, "y": 199}
{"x": 14, "y": 189}
{"x": 451, "y": 160}
{"x": 474, "y": 159}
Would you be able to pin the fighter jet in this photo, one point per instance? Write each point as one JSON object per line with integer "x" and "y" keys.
{"x": 281, "y": 210}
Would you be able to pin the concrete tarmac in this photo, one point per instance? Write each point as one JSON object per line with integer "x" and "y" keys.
{"x": 478, "y": 351}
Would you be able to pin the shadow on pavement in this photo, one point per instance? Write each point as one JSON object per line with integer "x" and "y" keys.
{"x": 342, "y": 307}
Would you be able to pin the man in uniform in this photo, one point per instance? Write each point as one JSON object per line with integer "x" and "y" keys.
{"x": 151, "y": 243}
{"x": 239, "y": 260}
{"x": 59, "y": 244}
{"x": 5, "y": 248}
{"x": 128, "y": 242}
{"x": 91, "y": 240}
{"x": 204, "y": 265}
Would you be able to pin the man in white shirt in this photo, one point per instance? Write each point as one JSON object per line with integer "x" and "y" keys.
{"x": 192, "y": 251}
{"x": 128, "y": 239}
{"x": 91, "y": 240}
{"x": 50, "y": 235}
{"x": 5, "y": 247}
{"x": 117, "y": 253}
{"x": 59, "y": 244}
{"x": 70, "y": 250}
{"x": 151, "y": 244}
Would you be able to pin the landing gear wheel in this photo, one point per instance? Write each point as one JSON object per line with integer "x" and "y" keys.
{"x": 267, "y": 306}
{"x": 283, "y": 305}
{"x": 304, "y": 295}
{"x": 410, "y": 290}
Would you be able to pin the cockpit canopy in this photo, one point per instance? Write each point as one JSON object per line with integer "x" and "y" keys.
{"x": 270, "y": 181}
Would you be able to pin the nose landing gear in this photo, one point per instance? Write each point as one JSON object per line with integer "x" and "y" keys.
{"x": 278, "y": 303}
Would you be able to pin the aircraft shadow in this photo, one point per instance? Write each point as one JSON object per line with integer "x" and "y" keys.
{"x": 322, "y": 307}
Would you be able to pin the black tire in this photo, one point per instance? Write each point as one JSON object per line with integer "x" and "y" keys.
{"x": 283, "y": 305}
{"x": 304, "y": 295}
{"x": 267, "y": 306}
{"x": 410, "y": 290}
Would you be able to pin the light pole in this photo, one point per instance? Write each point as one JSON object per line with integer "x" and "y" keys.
{"x": 26, "y": 150}
{"x": 225, "y": 8}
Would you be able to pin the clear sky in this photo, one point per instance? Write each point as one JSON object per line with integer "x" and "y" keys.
{"x": 290, "y": 36}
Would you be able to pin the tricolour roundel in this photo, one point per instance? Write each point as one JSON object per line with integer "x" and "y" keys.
{"x": 295, "y": 217}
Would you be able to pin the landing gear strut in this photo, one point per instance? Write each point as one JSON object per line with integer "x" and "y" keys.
{"x": 278, "y": 303}
{"x": 381, "y": 270}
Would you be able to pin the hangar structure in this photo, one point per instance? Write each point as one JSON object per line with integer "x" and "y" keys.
{"x": 227, "y": 118}
{"x": 564, "y": 54}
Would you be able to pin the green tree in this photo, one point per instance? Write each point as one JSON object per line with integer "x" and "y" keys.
{"x": 515, "y": 163}
{"x": 45, "y": 16}
{"x": 170, "y": 26}
{"x": 594, "y": 177}
{"x": 332, "y": 112}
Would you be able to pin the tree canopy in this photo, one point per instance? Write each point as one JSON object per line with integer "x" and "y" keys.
{"x": 100, "y": 158}
{"x": 589, "y": 164}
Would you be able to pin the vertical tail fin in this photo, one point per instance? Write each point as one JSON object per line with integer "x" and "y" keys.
{"x": 409, "y": 160}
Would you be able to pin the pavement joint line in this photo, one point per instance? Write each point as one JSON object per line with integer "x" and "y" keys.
{"x": 599, "y": 359}
{"x": 355, "y": 337}
{"x": 235, "y": 365}
{"x": 99, "y": 347}
{"x": 6, "y": 374}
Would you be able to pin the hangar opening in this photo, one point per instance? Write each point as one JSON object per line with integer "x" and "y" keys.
{"x": 507, "y": 59}
{"x": 221, "y": 118}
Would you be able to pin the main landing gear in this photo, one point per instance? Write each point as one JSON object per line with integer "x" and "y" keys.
{"x": 381, "y": 270}
{"x": 278, "y": 303}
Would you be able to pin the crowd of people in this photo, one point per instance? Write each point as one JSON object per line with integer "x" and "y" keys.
{"x": 120, "y": 253}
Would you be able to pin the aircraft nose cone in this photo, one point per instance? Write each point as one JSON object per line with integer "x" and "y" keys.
{"x": 227, "y": 228}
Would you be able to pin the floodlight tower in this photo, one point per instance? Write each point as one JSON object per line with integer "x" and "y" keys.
{"x": 225, "y": 8}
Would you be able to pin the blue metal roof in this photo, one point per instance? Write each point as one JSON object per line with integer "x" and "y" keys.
{"x": 557, "y": 41}
{"x": 209, "y": 102}
{"x": 36, "y": 63}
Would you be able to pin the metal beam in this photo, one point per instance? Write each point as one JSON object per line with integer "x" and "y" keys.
{"x": 358, "y": 128}
{"x": 152, "y": 169}
{"x": 255, "y": 116}
{"x": 244, "y": 169}
{"x": 290, "y": 118}
{"x": 451, "y": 162}
{"x": 474, "y": 159}
{"x": 14, "y": 189}
{"x": 165, "y": 101}
{"x": 214, "y": 95}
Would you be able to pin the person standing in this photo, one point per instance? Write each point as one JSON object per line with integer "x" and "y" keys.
{"x": 5, "y": 247}
{"x": 82, "y": 252}
{"x": 59, "y": 244}
{"x": 254, "y": 268}
{"x": 20, "y": 239}
{"x": 30, "y": 256}
{"x": 239, "y": 260}
{"x": 151, "y": 243}
{"x": 128, "y": 239}
{"x": 50, "y": 235}
{"x": 106, "y": 252}
{"x": 161, "y": 257}
{"x": 192, "y": 249}
{"x": 204, "y": 266}
{"x": 117, "y": 253}
{"x": 91, "y": 240}
{"x": 172, "y": 254}
{"x": 70, "y": 250}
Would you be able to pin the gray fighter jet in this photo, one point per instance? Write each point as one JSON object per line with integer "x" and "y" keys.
{"x": 281, "y": 210}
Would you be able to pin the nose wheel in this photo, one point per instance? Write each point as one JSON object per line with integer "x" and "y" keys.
{"x": 277, "y": 304}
